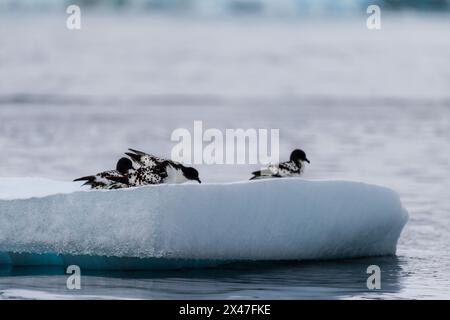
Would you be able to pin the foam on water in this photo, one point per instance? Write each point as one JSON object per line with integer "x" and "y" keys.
{"x": 263, "y": 220}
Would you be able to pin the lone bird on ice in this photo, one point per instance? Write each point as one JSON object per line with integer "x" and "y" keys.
{"x": 292, "y": 168}
{"x": 103, "y": 180}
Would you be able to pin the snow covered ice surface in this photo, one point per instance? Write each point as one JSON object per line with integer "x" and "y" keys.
{"x": 281, "y": 219}
{"x": 24, "y": 188}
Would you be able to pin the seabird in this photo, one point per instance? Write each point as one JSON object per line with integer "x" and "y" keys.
{"x": 102, "y": 180}
{"x": 293, "y": 167}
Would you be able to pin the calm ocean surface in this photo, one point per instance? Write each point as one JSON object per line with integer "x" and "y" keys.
{"x": 366, "y": 106}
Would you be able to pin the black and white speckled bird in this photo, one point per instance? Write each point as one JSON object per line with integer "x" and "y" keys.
{"x": 292, "y": 168}
{"x": 102, "y": 180}
{"x": 155, "y": 170}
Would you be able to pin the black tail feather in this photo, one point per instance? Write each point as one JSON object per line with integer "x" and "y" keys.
{"x": 137, "y": 152}
{"x": 255, "y": 174}
{"x": 87, "y": 178}
{"x": 133, "y": 156}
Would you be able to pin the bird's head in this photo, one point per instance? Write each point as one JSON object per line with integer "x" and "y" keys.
{"x": 299, "y": 156}
{"x": 124, "y": 165}
{"x": 190, "y": 173}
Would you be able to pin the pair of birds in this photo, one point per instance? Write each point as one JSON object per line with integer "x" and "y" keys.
{"x": 143, "y": 169}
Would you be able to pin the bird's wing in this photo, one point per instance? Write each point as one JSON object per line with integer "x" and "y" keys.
{"x": 144, "y": 159}
{"x": 270, "y": 171}
{"x": 273, "y": 169}
{"x": 100, "y": 180}
{"x": 145, "y": 175}
{"x": 288, "y": 168}
{"x": 108, "y": 173}
{"x": 114, "y": 181}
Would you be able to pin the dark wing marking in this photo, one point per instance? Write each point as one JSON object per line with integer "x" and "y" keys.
{"x": 271, "y": 172}
{"x": 134, "y": 157}
{"x": 120, "y": 179}
{"x": 256, "y": 173}
{"x": 280, "y": 170}
{"x": 140, "y": 153}
{"x": 288, "y": 168}
{"x": 144, "y": 159}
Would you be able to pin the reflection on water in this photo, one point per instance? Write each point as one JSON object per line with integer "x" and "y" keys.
{"x": 268, "y": 280}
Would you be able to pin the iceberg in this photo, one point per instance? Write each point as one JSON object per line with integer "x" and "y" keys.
{"x": 45, "y": 222}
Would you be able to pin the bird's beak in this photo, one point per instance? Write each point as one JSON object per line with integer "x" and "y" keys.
{"x": 307, "y": 160}
{"x": 198, "y": 180}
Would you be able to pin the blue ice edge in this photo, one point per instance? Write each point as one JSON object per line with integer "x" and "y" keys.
{"x": 103, "y": 262}
{"x": 181, "y": 226}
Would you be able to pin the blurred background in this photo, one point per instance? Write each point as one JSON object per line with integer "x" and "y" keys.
{"x": 365, "y": 105}
{"x": 232, "y": 7}
{"x": 71, "y": 101}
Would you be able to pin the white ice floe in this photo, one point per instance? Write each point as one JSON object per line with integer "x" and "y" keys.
{"x": 278, "y": 219}
{"x": 25, "y": 188}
